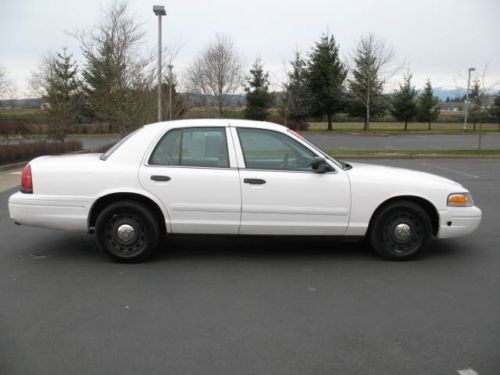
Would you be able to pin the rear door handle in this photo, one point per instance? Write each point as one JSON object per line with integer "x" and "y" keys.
{"x": 160, "y": 178}
{"x": 254, "y": 181}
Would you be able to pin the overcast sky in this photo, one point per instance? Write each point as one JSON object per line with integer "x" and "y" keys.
{"x": 436, "y": 39}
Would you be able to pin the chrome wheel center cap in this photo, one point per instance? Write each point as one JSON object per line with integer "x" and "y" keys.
{"x": 402, "y": 232}
{"x": 125, "y": 232}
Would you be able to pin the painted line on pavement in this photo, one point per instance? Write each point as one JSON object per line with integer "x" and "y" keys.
{"x": 467, "y": 371}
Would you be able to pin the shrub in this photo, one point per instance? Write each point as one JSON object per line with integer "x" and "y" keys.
{"x": 102, "y": 149}
{"x": 28, "y": 151}
{"x": 13, "y": 127}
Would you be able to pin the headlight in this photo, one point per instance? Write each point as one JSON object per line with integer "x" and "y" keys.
{"x": 460, "y": 200}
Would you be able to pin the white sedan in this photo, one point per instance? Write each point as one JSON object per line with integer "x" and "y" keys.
{"x": 235, "y": 177}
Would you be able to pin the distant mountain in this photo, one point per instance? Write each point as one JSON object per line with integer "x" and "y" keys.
{"x": 442, "y": 93}
{"x": 21, "y": 103}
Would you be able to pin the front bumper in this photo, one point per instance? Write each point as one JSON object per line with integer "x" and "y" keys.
{"x": 46, "y": 211}
{"x": 458, "y": 221}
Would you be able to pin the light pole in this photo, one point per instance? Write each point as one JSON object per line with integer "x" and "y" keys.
{"x": 467, "y": 99}
{"x": 159, "y": 10}
{"x": 170, "y": 80}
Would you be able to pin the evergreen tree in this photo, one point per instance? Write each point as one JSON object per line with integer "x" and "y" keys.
{"x": 404, "y": 107}
{"x": 179, "y": 104}
{"x": 495, "y": 109}
{"x": 326, "y": 75}
{"x": 476, "y": 95}
{"x": 259, "y": 99}
{"x": 426, "y": 105}
{"x": 117, "y": 90}
{"x": 62, "y": 92}
{"x": 297, "y": 96}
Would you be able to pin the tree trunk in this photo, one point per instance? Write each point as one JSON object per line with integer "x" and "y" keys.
{"x": 474, "y": 127}
{"x": 429, "y": 127}
{"x": 406, "y": 125}
{"x": 221, "y": 109}
{"x": 367, "y": 118}
{"x": 329, "y": 116}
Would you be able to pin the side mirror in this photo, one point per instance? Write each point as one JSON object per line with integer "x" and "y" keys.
{"x": 319, "y": 165}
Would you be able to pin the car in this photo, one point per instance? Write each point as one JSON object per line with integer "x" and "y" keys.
{"x": 236, "y": 177}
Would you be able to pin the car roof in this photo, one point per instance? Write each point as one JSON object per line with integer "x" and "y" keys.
{"x": 217, "y": 122}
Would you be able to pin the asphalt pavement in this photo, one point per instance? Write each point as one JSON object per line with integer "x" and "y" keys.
{"x": 376, "y": 141}
{"x": 225, "y": 305}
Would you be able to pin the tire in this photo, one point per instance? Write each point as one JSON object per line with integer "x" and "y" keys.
{"x": 127, "y": 232}
{"x": 401, "y": 231}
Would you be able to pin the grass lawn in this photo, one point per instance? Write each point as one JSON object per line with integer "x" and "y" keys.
{"x": 488, "y": 153}
{"x": 396, "y": 127}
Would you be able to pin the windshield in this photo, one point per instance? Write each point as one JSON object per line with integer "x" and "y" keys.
{"x": 338, "y": 163}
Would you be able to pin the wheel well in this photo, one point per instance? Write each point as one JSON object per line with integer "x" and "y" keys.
{"x": 106, "y": 200}
{"x": 424, "y": 203}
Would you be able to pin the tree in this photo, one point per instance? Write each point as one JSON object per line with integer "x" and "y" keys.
{"x": 495, "y": 109}
{"x": 217, "y": 71}
{"x": 404, "y": 106}
{"x": 179, "y": 104}
{"x": 297, "y": 96}
{"x": 372, "y": 60}
{"x": 4, "y": 82}
{"x": 426, "y": 105}
{"x": 325, "y": 77}
{"x": 6, "y": 86}
{"x": 56, "y": 81}
{"x": 476, "y": 98}
{"x": 117, "y": 89}
{"x": 259, "y": 99}
{"x": 62, "y": 93}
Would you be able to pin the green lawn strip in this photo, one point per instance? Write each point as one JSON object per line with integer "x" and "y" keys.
{"x": 394, "y": 127}
{"x": 472, "y": 154}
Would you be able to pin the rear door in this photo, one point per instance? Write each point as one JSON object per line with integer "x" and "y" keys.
{"x": 281, "y": 194}
{"x": 192, "y": 170}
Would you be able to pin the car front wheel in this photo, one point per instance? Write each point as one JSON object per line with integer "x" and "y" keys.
{"x": 127, "y": 232}
{"x": 401, "y": 231}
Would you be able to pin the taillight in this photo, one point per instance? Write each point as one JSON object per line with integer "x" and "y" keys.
{"x": 27, "y": 180}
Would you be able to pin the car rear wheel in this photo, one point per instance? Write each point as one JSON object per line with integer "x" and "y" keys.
{"x": 127, "y": 232}
{"x": 401, "y": 231}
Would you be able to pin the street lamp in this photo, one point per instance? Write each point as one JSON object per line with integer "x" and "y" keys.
{"x": 467, "y": 98}
{"x": 159, "y": 10}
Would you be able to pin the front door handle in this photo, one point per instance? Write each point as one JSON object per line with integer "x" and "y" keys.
{"x": 160, "y": 178}
{"x": 254, "y": 181}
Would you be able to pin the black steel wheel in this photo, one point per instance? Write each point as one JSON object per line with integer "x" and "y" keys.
{"x": 127, "y": 232}
{"x": 401, "y": 231}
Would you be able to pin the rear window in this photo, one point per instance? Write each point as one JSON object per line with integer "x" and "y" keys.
{"x": 115, "y": 147}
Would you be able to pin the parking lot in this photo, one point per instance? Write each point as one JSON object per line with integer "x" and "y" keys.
{"x": 219, "y": 305}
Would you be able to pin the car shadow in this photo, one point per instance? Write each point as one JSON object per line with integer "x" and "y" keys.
{"x": 80, "y": 247}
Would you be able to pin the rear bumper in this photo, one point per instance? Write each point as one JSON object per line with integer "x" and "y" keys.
{"x": 458, "y": 221}
{"x": 65, "y": 213}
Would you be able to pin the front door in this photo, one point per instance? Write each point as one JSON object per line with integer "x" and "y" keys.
{"x": 281, "y": 194}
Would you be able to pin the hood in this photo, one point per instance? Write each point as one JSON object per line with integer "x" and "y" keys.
{"x": 398, "y": 175}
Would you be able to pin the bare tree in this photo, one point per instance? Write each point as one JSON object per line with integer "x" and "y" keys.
{"x": 372, "y": 68}
{"x": 217, "y": 71}
{"x": 5, "y": 84}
